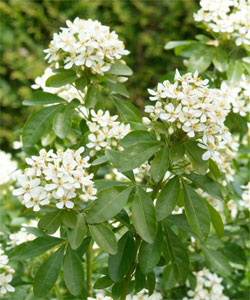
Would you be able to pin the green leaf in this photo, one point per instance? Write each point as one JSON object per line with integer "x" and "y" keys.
{"x": 197, "y": 213}
{"x": 102, "y": 184}
{"x": 127, "y": 110}
{"x": 140, "y": 280}
{"x": 168, "y": 278}
{"x": 173, "y": 44}
{"x": 149, "y": 254}
{"x": 51, "y": 222}
{"x": 81, "y": 83}
{"x": 217, "y": 261}
{"x": 62, "y": 122}
{"x": 143, "y": 214}
{"x": 120, "y": 69}
{"x": 180, "y": 220}
{"x": 43, "y": 98}
{"x": 216, "y": 220}
{"x": 178, "y": 255}
{"x": 234, "y": 253}
{"x": 200, "y": 61}
{"x": 151, "y": 283}
{"x": 77, "y": 234}
{"x": 103, "y": 283}
{"x": 84, "y": 246}
{"x": 220, "y": 59}
{"x": 47, "y": 274}
{"x": 109, "y": 202}
{"x": 104, "y": 237}
{"x": 34, "y": 248}
{"x": 237, "y": 124}
{"x": 167, "y": 200}
{"x": 159, "y": 164}
{"x": 120, "y": 263}
{"x": 100, "y": 160}
{"x": 92, "y": 96}
{"x": 214, "y": 170}
{"x": 234, "y": 71}
{"x": 73, "y": 272}
{"x": 117, "y": 88}
{"x": 133, "y": 156}
{"x": 58, "y": 80}
{"x": 136, "y": 136}
{"x": 69, "y": 218}
{"x": 38, "y": 123}
{"x": 207, "y": 184}
{"x": 194, "y": 153}
{"x": 177, "y": 151}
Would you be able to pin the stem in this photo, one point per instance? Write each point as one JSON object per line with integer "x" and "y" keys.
{"x": 58, "y": 292}
{"x": 89, "y": 269}
{"x": 130, "y": 271}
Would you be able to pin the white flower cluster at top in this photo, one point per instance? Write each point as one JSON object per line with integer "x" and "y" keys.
{"x": 189, "y": 104}
{"x": 5, "y": 274}
{"x": 105, "y": 130}
{"x": 238, "y": 95}
{"x": 67, "y": 92}
{"x": 228, "y": 17}
{"x": 86, "y": 43}
{"x": 58, "y": 178}
{"x": 22, "y": 235}
{"x": 208, "y": 287}
{"x": 8, "y": 166}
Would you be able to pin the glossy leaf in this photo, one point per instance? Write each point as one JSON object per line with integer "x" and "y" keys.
{"x": 143, "y": 214}
{"x": 38, "y": 123}
{"x": 178, "y": 255}
{"x": 51, "y": 221}
{"x": 136, "y": 136}
{"x": 104, "y": 237}
{"x": 117, "y": 88}
{"x": 216, "y": 220}
{"x": 167, "y": 199}
{"x": 77, "y": 234}
{"x": 200, "y": 61}
{"x": 61, "y": 79}
{"x": 220, "y": 59}
{"x": 92, "y": 96}
{"x": 120, "y": 263}
{"x": 120, "y": 69}
{"x": 197, "y": 213}
{"x": 140, "y": 279}
{"x": 159, "y": 164}
{"x": 234, "y": 71}
{"x": 103, "y": 282}
{"x": 47, "y": 274}
{"x": 217, "y": 261}
{"x": 34, "y": 248}
{"x": 149, "y": 254}
{"x": 62, "y": 122}
{"x": 194, "y": 153}
{"x": 168, "y": 278}
{"x": 177, "y": 151}
{"x": 127, "y": 110}
{"x": 69, "y": 218}
{"x": 207, "y": 184}
{"x": 73, "y": 272}
{"x": 43, "y": 98}
{"x": 109, "y": 202}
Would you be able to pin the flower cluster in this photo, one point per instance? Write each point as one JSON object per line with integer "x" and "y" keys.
{"x": 105, "y": 130}
{"x": 238, "y": 95}
{"x": 86, "y": 43}
{"x": 190, "y": 105}
{"x": 228, "y": 17}
{"x": 67, "y": 92}
{"x": 22, "y": 235}
{"x": 5, "y": 274}
{"x": 59, "y": 178}
{"x": 8, "y": 166}
{"x": 208, "y": 286}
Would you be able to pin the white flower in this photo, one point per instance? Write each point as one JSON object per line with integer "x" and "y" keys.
{"x": 27, "y": 185}
{"x": 4, "y": 283}
{"x": 86, "y": 43}
{"x": 8, "y": 166}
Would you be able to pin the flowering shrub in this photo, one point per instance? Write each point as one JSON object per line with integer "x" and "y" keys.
{"x": 135, "y": 206}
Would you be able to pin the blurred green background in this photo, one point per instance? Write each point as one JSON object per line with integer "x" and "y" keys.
{"x": 27, "y": 27}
